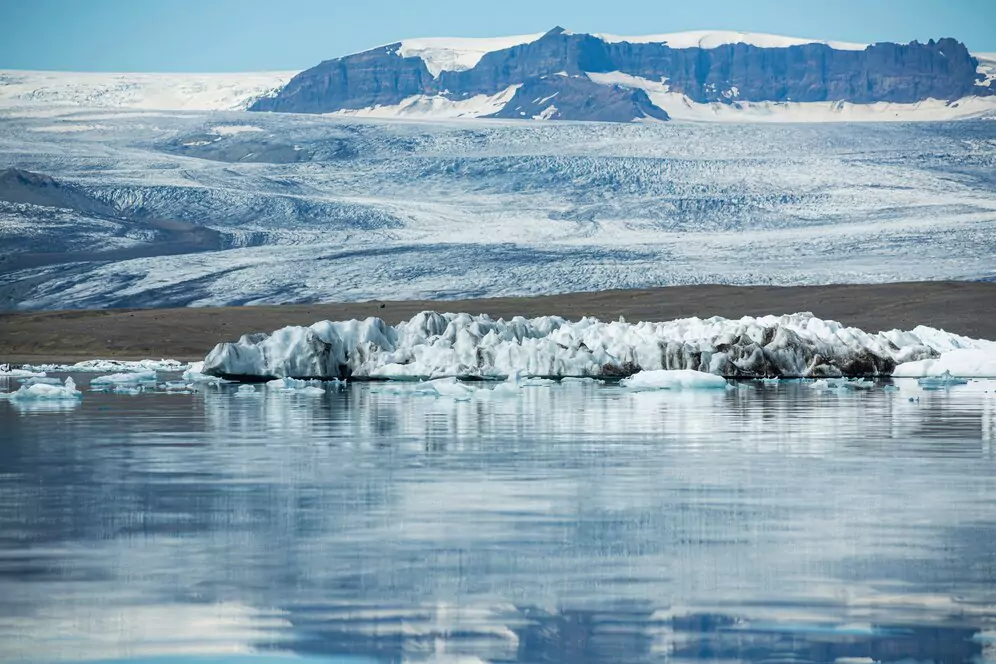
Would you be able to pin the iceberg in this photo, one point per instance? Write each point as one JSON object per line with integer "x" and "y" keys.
{"x": 433, "y": 345}
{"x": 44, "y": 392}
{"x": 673, "y": 379}
{"x": 961, "y": 362}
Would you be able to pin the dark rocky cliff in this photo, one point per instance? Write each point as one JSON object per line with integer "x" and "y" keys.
{"x": 729, "y": 73}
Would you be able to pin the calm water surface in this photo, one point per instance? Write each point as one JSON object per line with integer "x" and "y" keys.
{"x": 568, "y": 523}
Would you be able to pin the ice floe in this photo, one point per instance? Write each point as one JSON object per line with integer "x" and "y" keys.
{"x": 940, "y": 382}
{"x": 313, "y": 388}
{"x": 247, "y": 391}
{"x": 44, "y": 392}
{"x": 673, "y": 379}
{"x": 40, "y": 380}
{"x": 134, "y": 378}
{"x": 433, "y": 345}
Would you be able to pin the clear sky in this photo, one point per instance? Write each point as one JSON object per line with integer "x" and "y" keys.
{"x": 255, "y": 35}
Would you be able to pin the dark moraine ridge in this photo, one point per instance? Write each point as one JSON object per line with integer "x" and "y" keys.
{"x": 60, "y": 336}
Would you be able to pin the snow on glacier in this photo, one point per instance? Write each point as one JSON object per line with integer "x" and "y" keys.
{"x": 434, "y": 345}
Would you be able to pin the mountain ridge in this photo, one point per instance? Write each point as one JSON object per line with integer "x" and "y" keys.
{"x": 704, "y": 67}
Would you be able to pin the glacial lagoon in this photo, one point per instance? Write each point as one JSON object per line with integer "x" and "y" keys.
{"x": 572, "y": 521}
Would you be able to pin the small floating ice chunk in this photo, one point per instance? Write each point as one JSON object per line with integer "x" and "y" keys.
{"x": 581, "y": 380}
{"x": 296, "y": 386}
{"x": 40, "y": 380}
{"x": 175, "y": 386}
{"x": 133, "y": 378}
{"x": 940, "y": 382}
{"x": 194, "y": 374}
{"x": 246, "y": 391}
{"x": 673, "y": 379}
{"x": 44, "y": 391}
{"x": 449, "y": 387}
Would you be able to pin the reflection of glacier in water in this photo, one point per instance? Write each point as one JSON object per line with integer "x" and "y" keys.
{"x": 574, "y": 522}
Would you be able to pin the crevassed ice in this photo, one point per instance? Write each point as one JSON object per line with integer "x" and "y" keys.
{"x": 433, "y": 345}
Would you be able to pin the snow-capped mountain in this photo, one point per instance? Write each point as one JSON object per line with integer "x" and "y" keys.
{"x": 699, "y": 76}
{"x": 559, "y": 75}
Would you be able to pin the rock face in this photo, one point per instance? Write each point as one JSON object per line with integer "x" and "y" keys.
{"x": 559, "y": 62}
{"x": 566, "y": 98}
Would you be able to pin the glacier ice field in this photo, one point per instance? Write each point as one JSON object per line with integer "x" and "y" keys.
{"x": 127, "y": 208}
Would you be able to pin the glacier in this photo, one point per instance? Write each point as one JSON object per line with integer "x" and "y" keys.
{"x": 191, "y": 209}
{"x": 435, "y": 345}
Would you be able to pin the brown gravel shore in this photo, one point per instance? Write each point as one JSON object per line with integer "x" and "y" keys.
{"x": 967, "y": 308}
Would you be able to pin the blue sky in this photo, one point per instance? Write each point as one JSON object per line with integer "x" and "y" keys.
{"x": 252, "y": 35}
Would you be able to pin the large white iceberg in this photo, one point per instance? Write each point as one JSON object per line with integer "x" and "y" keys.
{"x": 433, "y": 345}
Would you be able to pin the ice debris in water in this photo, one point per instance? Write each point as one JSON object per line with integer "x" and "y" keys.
{"x": 6, "y": 371}
{"x": 135, "y": 378}
{"x": 44, "y": 391}
{"x": 675, "y": 379}
{"x": 453, "y": 388}
{"x": 113, "y": 365}
{"x": 247, "y": 391}
{"x": 941, "y": 381}
{"x": 296, "y": 386}
{"x": 842, "y": 384}
{"x": 433, "y": 345}
{"x": 194, "y": 374}
{"x": 40, "y": 380}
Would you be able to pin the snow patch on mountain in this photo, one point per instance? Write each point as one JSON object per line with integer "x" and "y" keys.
{"x": 436, "y": 107}
{"x": 986, "y": 69}
{"x": 458, "y": 53}
{"x": 715, "y": 38}
{"x": 681, "y": 107}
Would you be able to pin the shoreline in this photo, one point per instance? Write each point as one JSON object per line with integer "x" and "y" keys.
{"x": 65, "y": 336}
